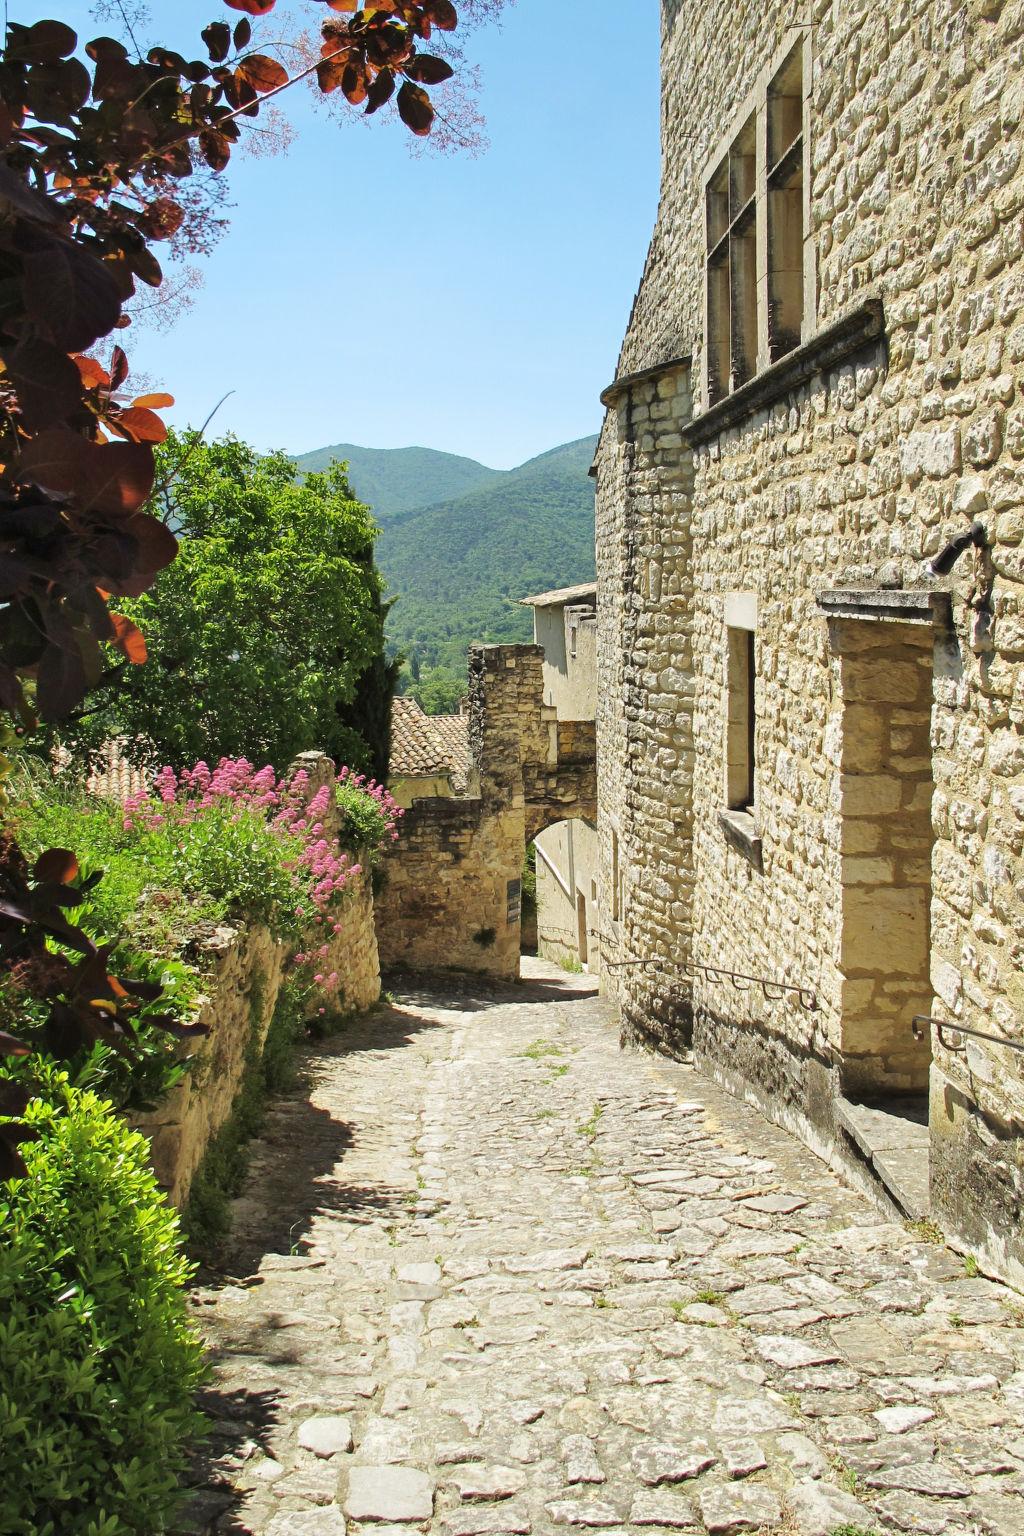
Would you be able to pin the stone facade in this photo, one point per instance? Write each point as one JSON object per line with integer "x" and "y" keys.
{"x": 875, "y": 864}
{"x": 451, "y": 893}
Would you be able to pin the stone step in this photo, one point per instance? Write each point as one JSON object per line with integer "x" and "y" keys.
{"x": 891, "y": 1135}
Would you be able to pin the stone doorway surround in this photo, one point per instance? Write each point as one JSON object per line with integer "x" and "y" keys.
{"x": 882, "y": 658}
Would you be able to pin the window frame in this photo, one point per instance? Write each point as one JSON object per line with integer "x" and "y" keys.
{"x": 757, "y": 107}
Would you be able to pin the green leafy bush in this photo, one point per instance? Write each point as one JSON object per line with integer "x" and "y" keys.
{"x": 98, "y": 1364}
{"x": 369, "y": 815}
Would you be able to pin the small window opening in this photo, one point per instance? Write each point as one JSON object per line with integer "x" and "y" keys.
{"x": 742, "y": 721}
{"x": 616, "y": 902}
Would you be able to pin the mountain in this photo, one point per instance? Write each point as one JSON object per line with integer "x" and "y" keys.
{"x": 460, "y": 544}
{"x": 395, "y": 480}
{"x": 459, "y": 567}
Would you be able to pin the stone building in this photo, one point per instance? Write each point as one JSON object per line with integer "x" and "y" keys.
{"x": 568, "y": 913}
{"x": 811, "y": 764}
{"x": 429, "y": 753}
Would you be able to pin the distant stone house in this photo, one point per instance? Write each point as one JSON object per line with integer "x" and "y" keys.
{"x": 429, "y": 753}
{"x": 568, "y": 913}
{"x": 811, "y": 748}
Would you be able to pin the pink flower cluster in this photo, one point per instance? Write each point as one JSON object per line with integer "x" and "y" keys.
{"x": 322, "y": 869}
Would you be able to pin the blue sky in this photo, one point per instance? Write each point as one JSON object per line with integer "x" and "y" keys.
{"x": 474, "y": 305}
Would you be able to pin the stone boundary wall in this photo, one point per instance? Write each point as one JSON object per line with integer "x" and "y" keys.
{"x": 248, "y": 969}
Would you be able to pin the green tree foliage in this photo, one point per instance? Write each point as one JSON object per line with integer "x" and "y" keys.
{"x": 269, "y": 626}
{"x": 438, "y": 690}
{"x": 98, "y": 1362}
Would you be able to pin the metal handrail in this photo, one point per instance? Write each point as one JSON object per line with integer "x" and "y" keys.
{"x": 957, "y": 1029}
{"x": 774, "y": 991}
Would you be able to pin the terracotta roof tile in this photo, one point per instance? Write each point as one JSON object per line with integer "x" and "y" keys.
{"x": 428, "y": 746}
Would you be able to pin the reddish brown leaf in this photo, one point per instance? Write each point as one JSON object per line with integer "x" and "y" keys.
{"x": 56, "y": 864}
{"x": 252, "y": 7}
{"x": 45, "y": 43}
{"x": 129, "y": 639}
{"x": 217, "y": 37}
{"x": 152, "y": 402}
{"x": 48, "y": 383}
{"x": 263, "y": 74}
{"x": 330, "y": 73}
{"x": 425, "y": 69}
{"x": 162, "y": 219}
{"x": 443, "y": 14}
{"x": 72, "y": 297}
{"x": 156, "y": 547}
{"x": 92, "y": 375}
{"x": 243, "y": 34}
{"x": 415, "y": 109}
{"x": 382, "y": 90}
{"x": 215, "y": 148}
{"x": 118, "y": 368}
{"x": 105, "y": 477}
{"x": 141, "y": 425}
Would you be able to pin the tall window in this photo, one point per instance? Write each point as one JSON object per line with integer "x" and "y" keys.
{"x": 732, "y": 267}
{"x": 755, "y": 236}
{"x": 741, "y": 725}
{"x": 786, "y": 206}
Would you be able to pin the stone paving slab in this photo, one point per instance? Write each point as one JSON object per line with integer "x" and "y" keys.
{"x": 492, "y": 1275}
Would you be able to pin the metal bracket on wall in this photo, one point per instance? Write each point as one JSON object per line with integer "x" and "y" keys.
{"x": 943, "y": 1025}
{"x": 774, "y": 991}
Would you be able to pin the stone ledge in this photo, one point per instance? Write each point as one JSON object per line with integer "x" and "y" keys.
{"x": 832, "y": 344}
{"x": 643, "y": 376}
{"x": 883, "y": 605}
{"x": 741, "y": 833}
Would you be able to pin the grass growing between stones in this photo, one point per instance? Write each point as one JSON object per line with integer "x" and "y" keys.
{"x": 588, "y": 1128}
{"x": 540, "y": 1050}
{"x": 926, "y": 1232}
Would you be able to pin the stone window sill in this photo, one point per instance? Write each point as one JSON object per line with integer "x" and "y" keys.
{"x": 831, "y": 345}
{"x": 741, "y": 833}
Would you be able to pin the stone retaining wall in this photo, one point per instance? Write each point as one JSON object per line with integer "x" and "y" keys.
{"x": 247, "y": 969}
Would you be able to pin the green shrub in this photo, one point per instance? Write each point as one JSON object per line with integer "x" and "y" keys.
{"x": 98, "y": 1364}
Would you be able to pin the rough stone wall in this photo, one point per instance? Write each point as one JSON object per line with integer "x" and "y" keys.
{"x": 850, "y": 479}
{"x": 450, "y": 897}
{"x": 645, "y": 704}
{"x": 247, "y": 968}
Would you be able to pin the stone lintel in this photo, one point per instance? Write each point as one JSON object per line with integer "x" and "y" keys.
{"x": 833, "y": 344}
{"x": 741, "y": 833}
{"x": 888, "y": 605}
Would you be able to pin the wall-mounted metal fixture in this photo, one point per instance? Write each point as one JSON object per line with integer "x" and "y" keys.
{"x": 943, "y": 1025}
{"x": 942, "y": 563}
{"x": 774, "y": 991}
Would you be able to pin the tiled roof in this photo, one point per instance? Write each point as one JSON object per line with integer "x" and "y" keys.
{"x": 562, "y": 595}
{"x": 453, "y": 733}
{"x": 428, "y": 746}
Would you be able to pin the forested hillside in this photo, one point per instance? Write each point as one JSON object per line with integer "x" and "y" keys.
{"x": 458, "y": 565}
{"x": 393, "y": 480}
{"x": 459, "y": 568}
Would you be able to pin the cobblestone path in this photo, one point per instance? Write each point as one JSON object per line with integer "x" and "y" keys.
{"x": 495, "y": 1275}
